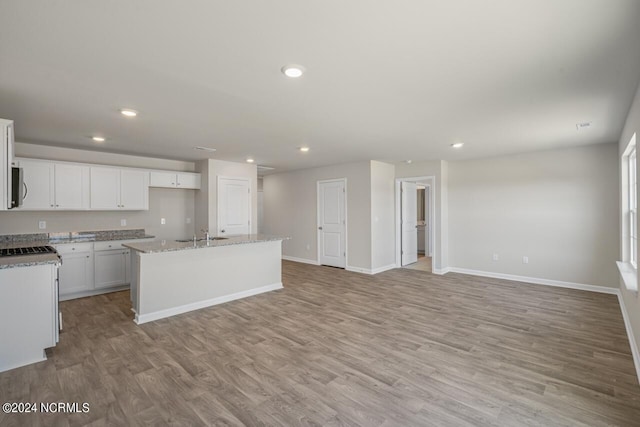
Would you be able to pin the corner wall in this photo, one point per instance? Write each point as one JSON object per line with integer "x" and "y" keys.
{"x": 290, "y": 209}
{"x": 629, "y": 299}
{"x": 559, "y": 208}
{"x": 383, "y": 238}
{"x": 206, "y": 201}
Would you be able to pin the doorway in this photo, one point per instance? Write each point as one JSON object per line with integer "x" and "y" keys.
{"x": 415, "y": 213}
{"x": 332, "y": 223}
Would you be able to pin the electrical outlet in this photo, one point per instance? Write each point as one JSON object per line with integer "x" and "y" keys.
{"x": 188, "y": 220}
{"x": 496, "y": 257}
{"x": 123, "y": 222}
{"x": 163, "y": 221}
{"x": 308, "y": 247}
{"x": 525, "y": 260}
{"x": 42, "y": 225}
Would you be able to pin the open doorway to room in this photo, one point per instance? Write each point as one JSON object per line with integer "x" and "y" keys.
{"x": 414, "y": 229}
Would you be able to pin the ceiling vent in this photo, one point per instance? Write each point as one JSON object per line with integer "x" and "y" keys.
{"x": 265, "y": 168}
{"x": 583, "y": 125}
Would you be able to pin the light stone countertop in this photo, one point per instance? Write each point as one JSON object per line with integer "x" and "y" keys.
{"x": 171, "y": 245}
{"x": 28, "y": 260}
{"x": 51, "y": 239}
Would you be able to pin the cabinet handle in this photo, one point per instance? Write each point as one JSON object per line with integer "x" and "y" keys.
{"x": 73, "y": 249}
{"x": 87, "y": 256}
{"x": 51, "y": 205}
{"x": 57, "y": 206}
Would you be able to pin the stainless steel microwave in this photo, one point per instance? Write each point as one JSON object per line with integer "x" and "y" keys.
{"x": 17, "y": 187}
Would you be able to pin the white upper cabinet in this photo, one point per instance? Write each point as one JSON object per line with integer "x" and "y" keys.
{"x": 105, "y": 188}
{"x": 50, "y": 185}
{"x": 119, "y": 189}
{"x": 184, "y": 180}
{"x": 38, "y": 185}
{"x": 134, "y": 190}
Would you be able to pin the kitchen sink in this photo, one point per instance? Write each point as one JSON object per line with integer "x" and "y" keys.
{"x": 201, "y": 240}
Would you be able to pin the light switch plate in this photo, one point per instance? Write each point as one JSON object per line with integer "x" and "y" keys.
{"x": 163, "y": 221}
{"x": 42, "y": 225}
{"x": 123, "y": 222}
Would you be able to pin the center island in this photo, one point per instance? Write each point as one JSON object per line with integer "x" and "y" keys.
{"x": 173, "y": 277}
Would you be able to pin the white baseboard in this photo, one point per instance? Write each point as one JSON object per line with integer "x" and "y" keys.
{"x": 440, "y": 271}
{"x": 161, "y": 314}
{"x": 358, "y": 269}
{"x": 381, "y": 269}
{"x": 635, "y": 351}
{"x": 537, "y": 281}
{"x": 93, "y": 292}
{"x": 302, "y": 260}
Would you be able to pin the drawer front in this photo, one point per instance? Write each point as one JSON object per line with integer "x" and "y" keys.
{"x": 70, "y": 248}
{"x": 115, "y": 244}
{"x": 107, "y": 246}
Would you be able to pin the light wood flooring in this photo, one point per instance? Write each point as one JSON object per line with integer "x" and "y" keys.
{"x": 402, "y": 348}
{"x": 423, "y": 264}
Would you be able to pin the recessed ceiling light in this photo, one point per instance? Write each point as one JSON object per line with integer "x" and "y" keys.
{"x": 304, "y": 149}
{"x": 98, "y": 138}
{"x": 250, "y": 160}
{"x": 204, "y": 148}
{"x": 129, "y": 113}
{"x": 293, "y": 71}
{"x": 457, "y": 145}
{"x": 408, "y": 161}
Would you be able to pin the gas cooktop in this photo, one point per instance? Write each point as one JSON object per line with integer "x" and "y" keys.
{"x": 32, "y": 250}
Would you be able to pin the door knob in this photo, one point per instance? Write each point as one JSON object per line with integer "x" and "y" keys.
{"x": 222, "y": 231}
{"x": 319, "y": 228}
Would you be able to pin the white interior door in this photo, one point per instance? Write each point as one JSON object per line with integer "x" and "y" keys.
{"x": 332, "y": 223}
{"x": 234, "y": 206}
{"x": 409, "y": 208}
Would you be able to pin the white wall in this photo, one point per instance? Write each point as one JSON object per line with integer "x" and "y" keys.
{"x": 382, "y": 215}
{"x": 173, "y": 205}
{"x": 206, "y": 200}
{"x": 557, "y": 207}
{"x": 630, "y": 300}
{"x": 290, "y": 209}
{"x": 437, "y": 169}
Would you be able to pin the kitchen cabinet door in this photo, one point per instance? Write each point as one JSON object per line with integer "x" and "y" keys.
{"x": 188, "y": 181}
{"x": 71, "y": 186}
{"x": 110, "y": 268}
{"x": 162, "y": 179}
{"x": 134, "y": 187}
{"x": 105, "y": 188}
{"x": 38, "y": 180}
{"x": 76, "y": 273}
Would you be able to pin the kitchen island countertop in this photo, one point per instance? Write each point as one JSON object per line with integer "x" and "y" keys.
{"x": 157, "y": 246}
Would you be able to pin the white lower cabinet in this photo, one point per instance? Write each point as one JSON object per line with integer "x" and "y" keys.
{"x": 76, "y": 271}
{"x": 28, "y": 314}
{"x": 94, "y": 268}
{"x": 111, "y": 268}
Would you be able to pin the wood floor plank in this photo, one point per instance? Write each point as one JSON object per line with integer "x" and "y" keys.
{"x": 337, "y": 348}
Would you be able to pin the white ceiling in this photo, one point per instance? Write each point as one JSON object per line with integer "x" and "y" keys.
{"x": 385, "y": 80}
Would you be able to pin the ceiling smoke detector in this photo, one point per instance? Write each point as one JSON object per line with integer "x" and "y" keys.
{"x": 204, "y": 148}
